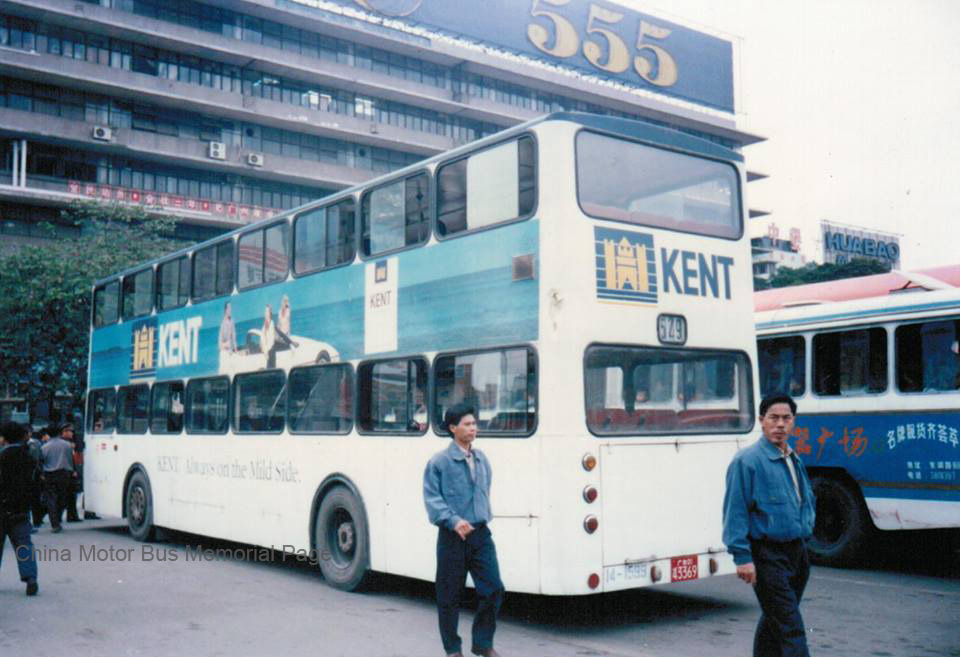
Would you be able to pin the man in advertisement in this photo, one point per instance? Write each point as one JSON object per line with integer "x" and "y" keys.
{"x": 456, "y": 492}
{"x": 768, "y": 514}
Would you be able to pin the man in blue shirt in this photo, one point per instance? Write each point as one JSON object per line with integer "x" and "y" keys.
{"x": 768, "y": 513}
{"x": 456, "y": 492}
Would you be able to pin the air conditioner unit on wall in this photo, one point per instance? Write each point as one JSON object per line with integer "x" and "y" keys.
{"x": 102, "y": 133}
{"x": 217, "y": 150}
{"x": 255, "y": 159}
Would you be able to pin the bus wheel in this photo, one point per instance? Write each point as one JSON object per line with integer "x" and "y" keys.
{"x": 341, "y": 539}
{"x": 139, "y": 505}
{"x": 842, "y": 524}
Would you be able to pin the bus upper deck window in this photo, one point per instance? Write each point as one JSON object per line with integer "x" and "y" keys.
{"x": 324, "y": 237}
{"x": 106, "y": 303}
{"x": 138, "y": 294}
{"x": 396, "y": 215}
{"x": 488, "y": 187}
{"x": 627, "y": 181}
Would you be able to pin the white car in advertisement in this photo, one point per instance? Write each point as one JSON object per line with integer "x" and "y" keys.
{"x": 249, "y": 357}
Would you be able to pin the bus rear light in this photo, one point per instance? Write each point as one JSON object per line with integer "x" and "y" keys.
{"x": 590, "y": 524}
{"x": 593, "y": 581}
{"x": 590, "y": 494}
{"x": 589, "y": 462}
{"x": 655, "y": 573}
{"x": 714, "y": 566}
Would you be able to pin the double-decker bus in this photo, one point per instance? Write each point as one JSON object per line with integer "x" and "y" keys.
{"x": 873, "y": 363}
{"x": 584, "y": 281}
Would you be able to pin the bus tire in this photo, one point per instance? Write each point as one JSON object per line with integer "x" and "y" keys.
{"x": 342, "y": 540}
{"x": 842, "y": 525}
{"x": 138, "y": 504}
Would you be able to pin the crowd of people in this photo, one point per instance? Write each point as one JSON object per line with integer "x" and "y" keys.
{"x": 40, "y": 475}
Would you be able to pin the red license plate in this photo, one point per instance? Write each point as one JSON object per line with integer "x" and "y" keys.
{"x": 683, "y": 568}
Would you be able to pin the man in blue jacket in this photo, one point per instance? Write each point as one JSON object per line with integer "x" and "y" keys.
{"x": 768, "y": 513}
{"x": 456, "y": 492}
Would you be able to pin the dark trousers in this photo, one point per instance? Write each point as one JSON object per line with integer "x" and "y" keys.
{"x": 58, "y": 488}
{"x": 38, "y": 507}
{"x": 71, "y": 505}
{"x": 16, "y": 527}
{"x": 782, "y": 573}
{"x": 455, "y": 558}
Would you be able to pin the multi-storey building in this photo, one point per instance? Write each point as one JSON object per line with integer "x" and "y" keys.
{"x": 225, "y": 111}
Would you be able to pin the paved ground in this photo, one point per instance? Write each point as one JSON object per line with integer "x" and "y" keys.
{"x": 905, "y": 603}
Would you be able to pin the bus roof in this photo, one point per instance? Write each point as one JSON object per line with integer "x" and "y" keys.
{"x": 862, "y": 287}
{"x": 629, "y": 128}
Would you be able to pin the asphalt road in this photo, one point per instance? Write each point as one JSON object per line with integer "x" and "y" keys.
{"x": 116, "y": 597}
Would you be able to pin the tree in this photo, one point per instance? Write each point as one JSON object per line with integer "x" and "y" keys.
{"x": 816, "y": 273}
{"x": 45, "y": 294}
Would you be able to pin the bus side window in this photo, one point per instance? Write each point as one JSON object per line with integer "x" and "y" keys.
{"x": 391, "y": 395}
{"x": 782, "y": 363}
{"x": 260, "y": 402}
{"x": 501, "y": 384}
{"x": 850, "y": 362}
{"x": 324, "y": 237}
{"x": 489, "y": 187}
{"x": 213, "y": 271}
{"x": 395, "y": 215}
{"x": 166, "y": 407}
{"x": 208, "y": 403}
{"x": 173, "y": 283}
{"x": 133, "y": 408}
{"x": 321, "y": 399}
{"x": 927, "y": 356}
{"x": 101, "y": 410}
{"x": 138, "y": 294}
{"x": 106, "y": 304}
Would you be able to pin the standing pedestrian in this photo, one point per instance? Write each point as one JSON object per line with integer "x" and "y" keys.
{"x": 37, "y": 504}
{"x": 76, "y": 461}
{"x": 58, "y": 474}
{"x": 456, "y": 492}
{"x": 17, "y": 486}
{"x": 768, "y": 513}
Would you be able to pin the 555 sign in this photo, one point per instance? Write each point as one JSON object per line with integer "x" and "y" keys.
{"x": 597, "y": 37}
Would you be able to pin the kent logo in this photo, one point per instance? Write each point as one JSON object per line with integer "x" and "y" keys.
{"x": 179, "y": 341}
{"x": 627, "y": 271}
{"x": 143, "y": 352}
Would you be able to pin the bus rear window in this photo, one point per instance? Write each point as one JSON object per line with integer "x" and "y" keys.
{"x": 626, "y": 181}
{"x": 782, "y": 365}
{"x": 640, "y": 390}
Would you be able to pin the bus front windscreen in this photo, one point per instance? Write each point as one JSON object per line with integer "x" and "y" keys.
{"x": 626, "y": 181}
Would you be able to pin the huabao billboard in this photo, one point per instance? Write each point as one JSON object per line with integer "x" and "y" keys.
{"x": 599, "y": 38}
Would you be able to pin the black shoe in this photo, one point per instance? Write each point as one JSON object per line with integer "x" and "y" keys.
{"x": 32, "y": 588}
{"x": 56, "y": 530}
{"x": 74, "y": 520}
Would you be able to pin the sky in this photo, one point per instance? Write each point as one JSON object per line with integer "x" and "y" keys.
{"x": 859, "y": 102}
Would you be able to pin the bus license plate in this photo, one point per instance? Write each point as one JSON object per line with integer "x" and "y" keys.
{"x": 683, "y": 568}
{"x": 672, "y": 329}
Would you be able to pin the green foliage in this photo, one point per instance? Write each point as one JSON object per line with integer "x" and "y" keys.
{"x": 814, "y": 273}
{"x": 45, "y": 293}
